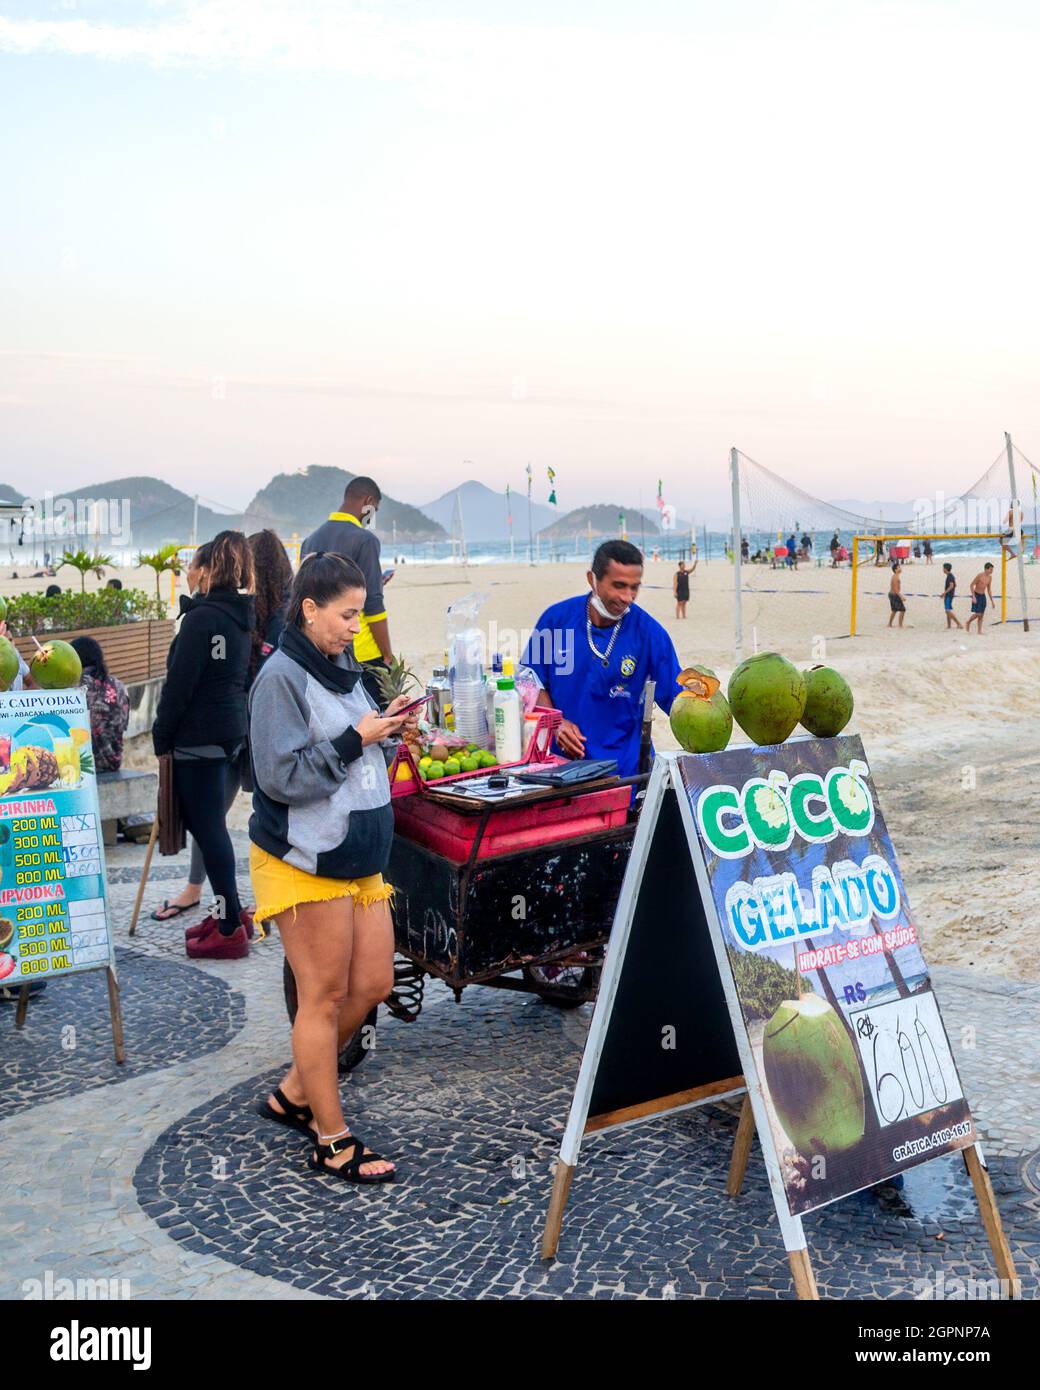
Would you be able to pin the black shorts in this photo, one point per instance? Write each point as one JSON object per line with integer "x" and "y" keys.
{"x": 895, "y": 602}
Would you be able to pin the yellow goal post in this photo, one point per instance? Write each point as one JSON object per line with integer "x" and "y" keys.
{"x": 918, "y": 537}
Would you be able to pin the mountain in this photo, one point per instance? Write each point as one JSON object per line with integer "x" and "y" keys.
{"x": 301, "y": 501}
{"x": 603, "y": 521}
{"x": 484, "y": 512}
{"x": 133, "y": 512}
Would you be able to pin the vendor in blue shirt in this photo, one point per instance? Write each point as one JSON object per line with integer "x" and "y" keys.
{"x": 594, "y": 653}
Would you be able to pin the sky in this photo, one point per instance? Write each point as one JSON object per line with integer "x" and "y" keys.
{"x": 438, "y": 240}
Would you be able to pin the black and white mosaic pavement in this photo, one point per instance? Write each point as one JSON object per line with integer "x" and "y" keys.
{"x": 172, "y": 1012}
{"x": 470, "y": 1102}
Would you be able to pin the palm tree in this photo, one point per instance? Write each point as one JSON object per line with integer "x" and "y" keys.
{"x": 87, "y": 562}
{"x": 162, "y": 561}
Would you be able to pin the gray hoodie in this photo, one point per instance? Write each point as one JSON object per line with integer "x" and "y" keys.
{"x": 320, "y": 802}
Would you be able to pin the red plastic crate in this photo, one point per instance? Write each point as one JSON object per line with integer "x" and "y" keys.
{"x": 451, "y": 833}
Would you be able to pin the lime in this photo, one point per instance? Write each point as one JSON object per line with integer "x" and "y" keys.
{"x": 424, "y": 774}
{"x": 425, "y": 760}
{"x": 436, "y": 769}
{"x": 488, "y": 760}
{"x": 469, "y": 764}
{"x": 452, "y": 767}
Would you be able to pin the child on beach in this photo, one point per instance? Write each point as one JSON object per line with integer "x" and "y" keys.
{"x": 895, "y": 595}
{"x": 949, "y": 589}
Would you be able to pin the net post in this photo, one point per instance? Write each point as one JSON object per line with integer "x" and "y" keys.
{"x": 1003, "y": 584}
{"x": 1018, "y": 532}
{"x": 855, "y": 581}
{"x": 734, "y": 473}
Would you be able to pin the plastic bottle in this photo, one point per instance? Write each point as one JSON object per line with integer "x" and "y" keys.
{"x": 491, "y": 680}
{"x": 508, "y": 738}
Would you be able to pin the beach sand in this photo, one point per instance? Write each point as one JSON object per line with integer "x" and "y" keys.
{"x": 946, "y": 718}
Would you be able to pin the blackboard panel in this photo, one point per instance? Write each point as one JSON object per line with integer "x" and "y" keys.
{"x": 669, "y": 978}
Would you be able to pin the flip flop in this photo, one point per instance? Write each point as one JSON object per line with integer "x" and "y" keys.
{"x": 173, "y": 909}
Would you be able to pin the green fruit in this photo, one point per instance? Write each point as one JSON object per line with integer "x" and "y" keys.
{"x": 424, "y": 773}
{"x": 488, "y": 760}
{"x": 3, "y": 610}
{"x": 436, "y": 769}
{"x": 452, "y": 767}
{"x": 828, "y": 702}
{"x": 56, "y": 666}
{"x": 701, "y": 724}
{"x": 469, "y": 763}
{"x": 813, "y": 1076}
{"x": 8, "y": 663}
{"x": 767, "y": 697}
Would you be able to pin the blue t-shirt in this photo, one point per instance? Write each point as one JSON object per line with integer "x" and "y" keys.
{"x": 606, "y": 702}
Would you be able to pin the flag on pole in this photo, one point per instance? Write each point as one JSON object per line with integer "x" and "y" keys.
{"x": 660, "y": 495}
{"x": 552, "y": 486}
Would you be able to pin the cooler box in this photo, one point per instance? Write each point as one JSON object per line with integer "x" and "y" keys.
{"x": 452, "y": 833}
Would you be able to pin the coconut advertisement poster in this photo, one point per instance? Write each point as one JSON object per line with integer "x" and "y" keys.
{"x": 53, "y": 915}
{"x": 848, "y": 1040}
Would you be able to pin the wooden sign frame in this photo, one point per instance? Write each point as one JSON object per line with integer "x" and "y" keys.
{"x": 666, "y": 780}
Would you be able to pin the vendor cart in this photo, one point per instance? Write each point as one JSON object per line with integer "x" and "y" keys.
{"x": 507, "y": 898}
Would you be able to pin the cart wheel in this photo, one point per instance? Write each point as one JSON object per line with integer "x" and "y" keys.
{"x": 353, "y": 1052}
{"x": 563, "y": 986}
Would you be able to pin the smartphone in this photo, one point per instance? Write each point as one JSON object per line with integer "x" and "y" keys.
{"x": 388, "y": 575}
{"x": 407, "y": 709}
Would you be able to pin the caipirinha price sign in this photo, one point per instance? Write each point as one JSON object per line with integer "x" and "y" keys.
{"x": 53, "y": 915}
{"x": 857, "y": 1073}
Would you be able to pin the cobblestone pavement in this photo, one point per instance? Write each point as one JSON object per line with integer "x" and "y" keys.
{"x": 167, "y": 1179}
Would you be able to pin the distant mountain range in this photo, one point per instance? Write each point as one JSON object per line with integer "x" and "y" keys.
{"x": 295, "y": 503}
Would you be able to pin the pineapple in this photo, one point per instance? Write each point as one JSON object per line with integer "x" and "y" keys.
{"x": 396, "y": 679}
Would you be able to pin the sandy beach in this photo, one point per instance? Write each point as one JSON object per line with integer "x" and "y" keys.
{"x": 946, "y": 718}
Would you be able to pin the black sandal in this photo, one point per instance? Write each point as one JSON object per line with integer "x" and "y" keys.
{"x": 351, "y": 1170}
{"x": 292, "y": 1116}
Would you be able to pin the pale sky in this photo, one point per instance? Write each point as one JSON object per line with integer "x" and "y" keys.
{"x": 242, "y": 236}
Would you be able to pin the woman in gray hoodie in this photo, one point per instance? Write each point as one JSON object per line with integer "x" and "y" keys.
{"x": 321, "y": 831}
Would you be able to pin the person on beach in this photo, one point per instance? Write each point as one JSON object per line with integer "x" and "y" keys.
{"x": 1012, "y": 534}
{"x": 347, "y": 533}
{"x": 949, "y": 591}
{"x": 201, "y": 720}
{"x": 592, "y": 656}
{"x": 681, "y": 589}
{"x": 835, "y": 546}
{"x": 792, "y": 553}
{"x": 928, "y": 552}
{"x": 321, "y": 832}
{"x": 108, "y": 705}
{"x": 273, "y": 580}
{"x": 981, "y": 592}
{"x": 895, "y": 594}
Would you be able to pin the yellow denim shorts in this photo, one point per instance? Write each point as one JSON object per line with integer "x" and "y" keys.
{"x": 278, "y": 886}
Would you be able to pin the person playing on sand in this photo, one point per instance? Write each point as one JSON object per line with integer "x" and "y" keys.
{"x": 1012, "y": 535}
{"x": 949, "y": 589}
{"x": 681, "y": 589}
{"x": 895, "y": 595}
{"x": 981, "y": 590}
{"x": 928, "y": 552}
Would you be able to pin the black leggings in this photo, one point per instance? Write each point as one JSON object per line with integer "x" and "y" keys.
{"x": 200, "y": 785}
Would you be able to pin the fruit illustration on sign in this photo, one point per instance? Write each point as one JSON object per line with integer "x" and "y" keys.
{"x": 813, "y": 1076}
{"x": 700, "y": 716}
{"x": 767, "y": 697}
{"x": 767, "y": 814}
{"x": 56, "y": 666}
{"x": 828, "y": 702}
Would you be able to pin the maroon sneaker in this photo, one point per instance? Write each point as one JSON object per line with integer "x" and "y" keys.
{"x": 212, "y": 945}
{"x": 206, "y": 925}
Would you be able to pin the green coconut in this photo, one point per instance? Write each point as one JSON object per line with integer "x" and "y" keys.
{"x": 8, "y": 663}
{"x": 828, "y": 702}
{"x": 56, "y": 666}
{"x": 813, "y": 1076}
{"x": 701, "y": 724}
{"x": 767, "y": 697}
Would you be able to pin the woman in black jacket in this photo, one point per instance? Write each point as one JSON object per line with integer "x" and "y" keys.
{"x": 201, "y": 720}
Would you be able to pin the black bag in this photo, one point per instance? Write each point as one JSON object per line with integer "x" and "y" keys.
{"x": 172, "y": 834}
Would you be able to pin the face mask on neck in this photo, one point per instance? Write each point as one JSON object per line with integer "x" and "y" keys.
{"x": 603, "y": 610}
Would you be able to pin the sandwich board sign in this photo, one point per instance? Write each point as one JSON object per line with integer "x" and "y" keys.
{"x": 763, "y": 945}
{"x": 54, "y": 917}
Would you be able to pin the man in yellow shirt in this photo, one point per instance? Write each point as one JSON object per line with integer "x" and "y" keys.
{"x": 346, "y": 532}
